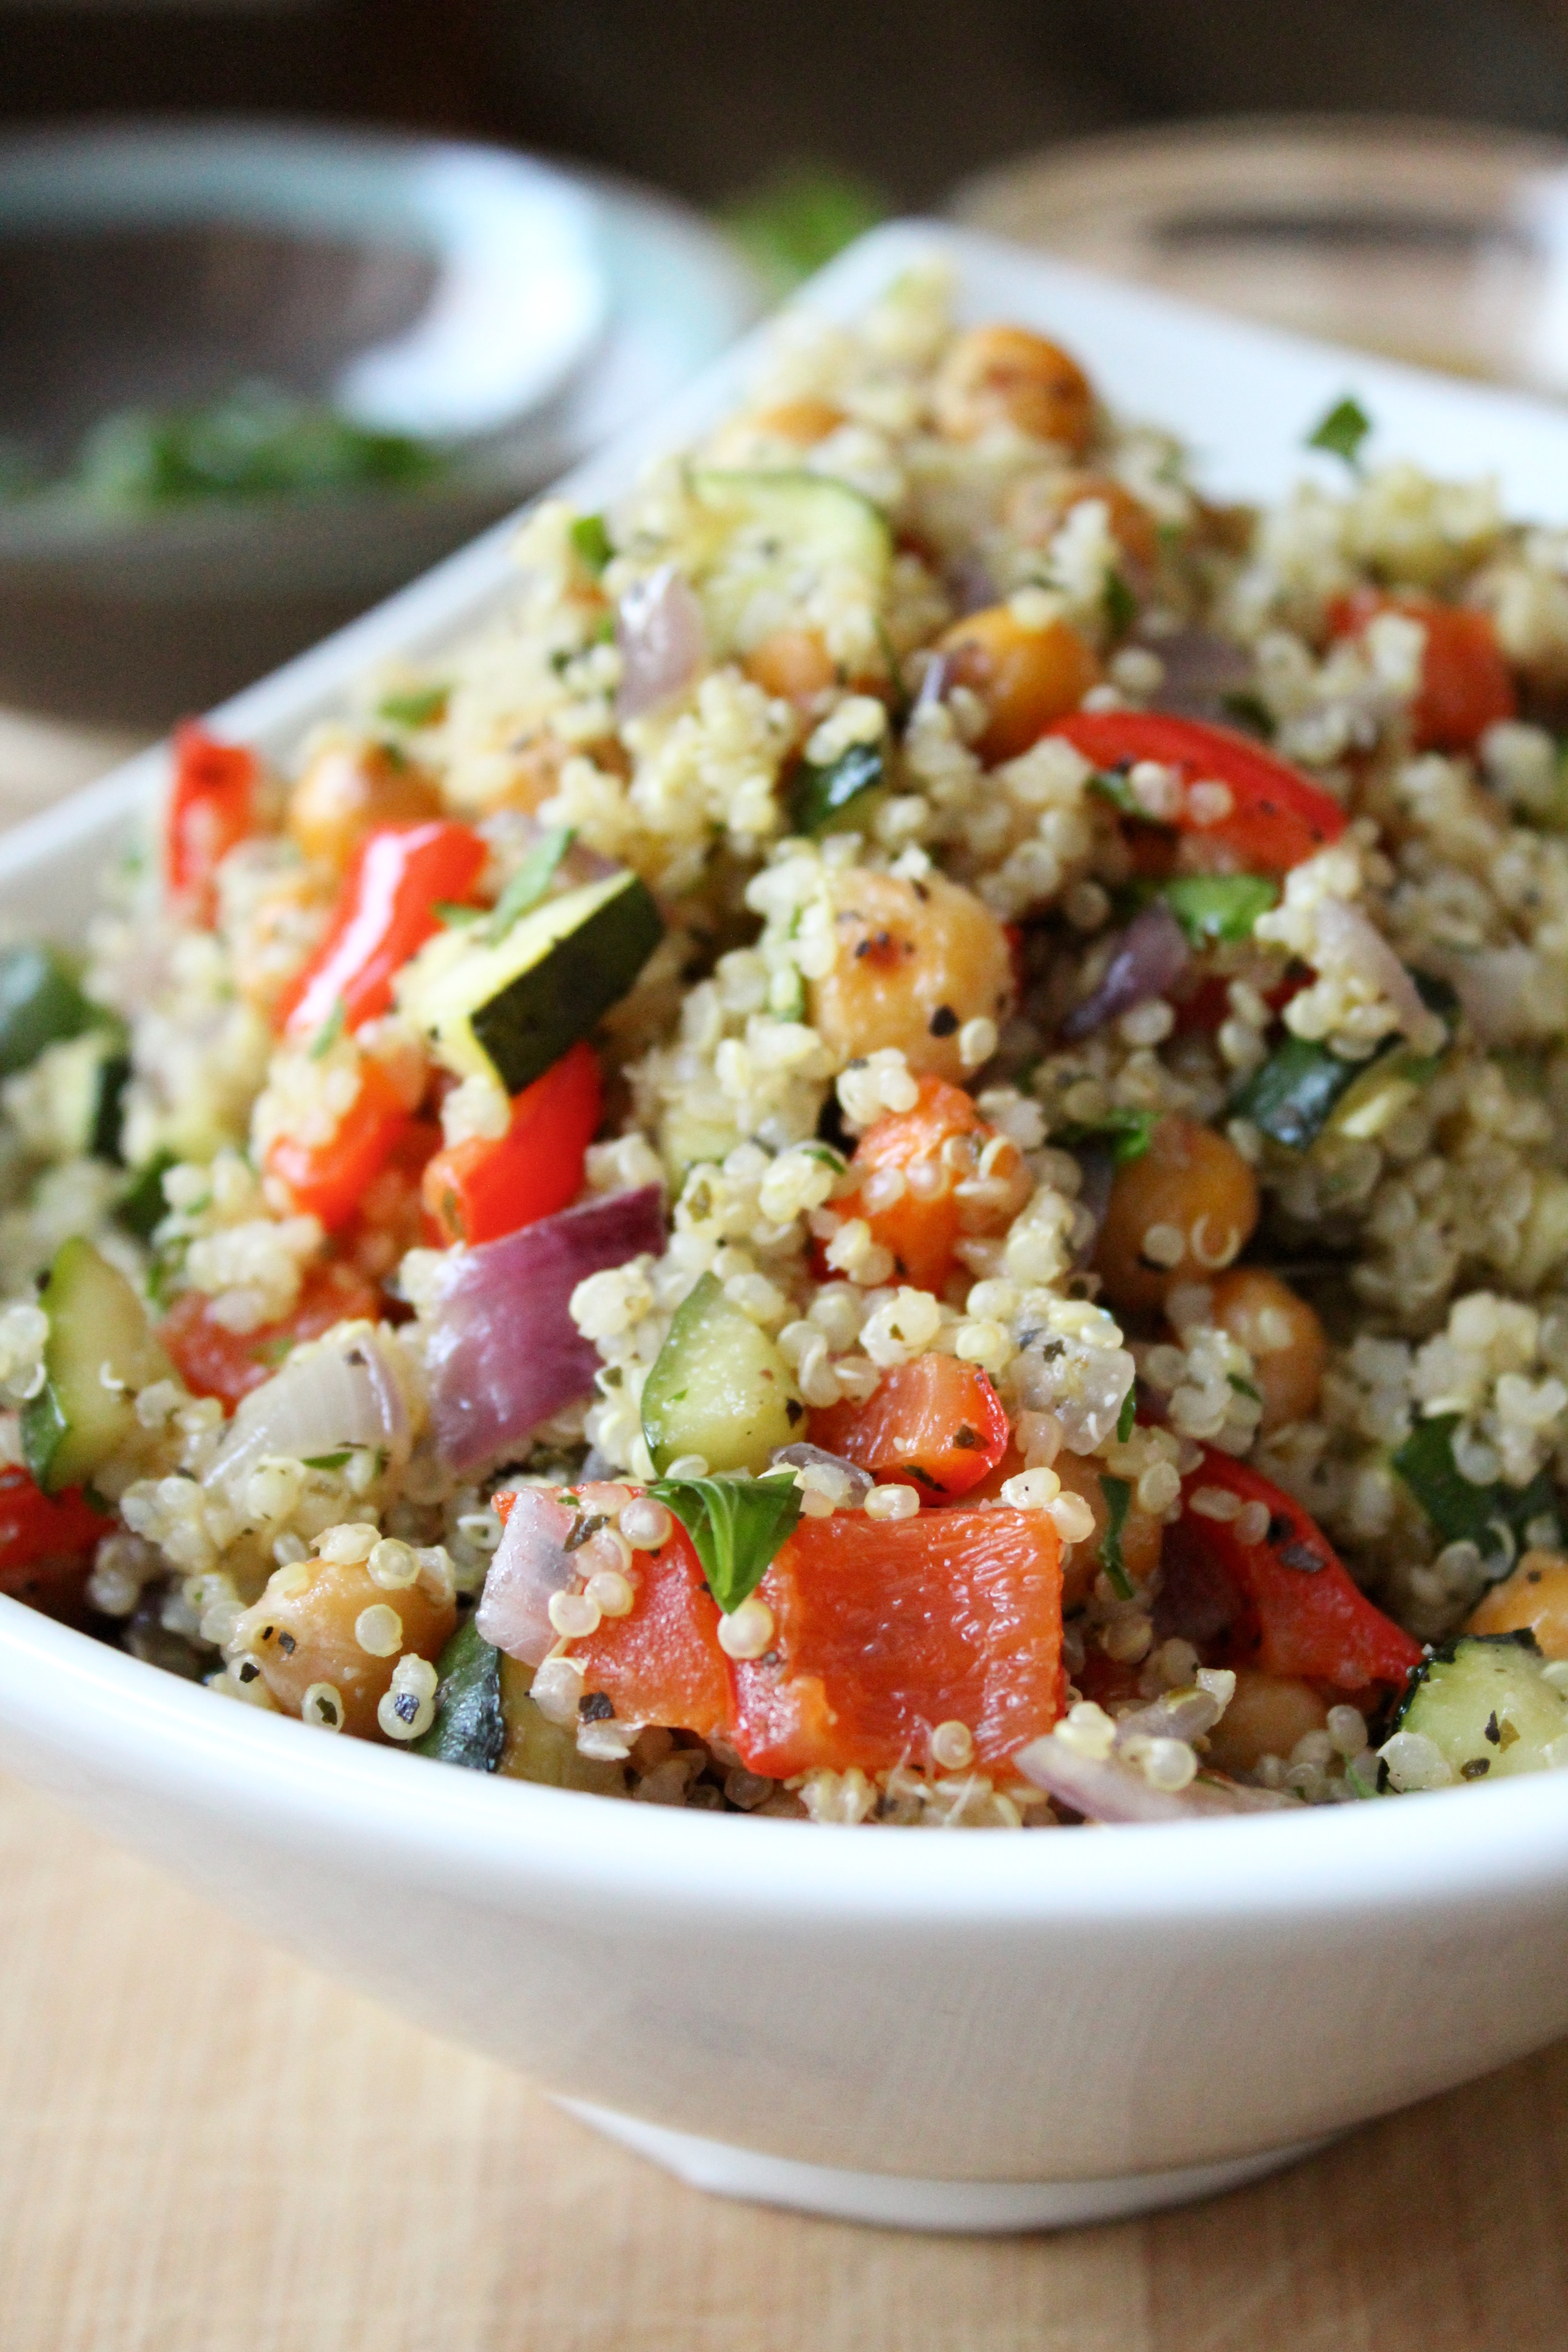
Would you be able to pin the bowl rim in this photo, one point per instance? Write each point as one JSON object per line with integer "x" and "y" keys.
{"x": 64, "y": 1695}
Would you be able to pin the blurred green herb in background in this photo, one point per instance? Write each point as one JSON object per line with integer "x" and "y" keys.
{"x": 799, "y": 217}
{"x": 255, "y": 442}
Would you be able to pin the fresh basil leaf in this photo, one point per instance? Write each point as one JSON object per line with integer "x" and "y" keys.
{"x": 529, "y": 883}
{"x": 330, "y": 1030}
{"x": 1117, "y": 1494}
{"x": 738, "y": 1526}
{"x": 591, "y": 542}
{"x": 1219, "y": 907}
{"x": 1496, "y": 1518}
{"x": 421, "y": 707}
{"x": 1343, "y": 431}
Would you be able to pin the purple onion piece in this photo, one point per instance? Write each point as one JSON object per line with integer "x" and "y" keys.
{"x": 1096, "y": 1163}
{"x": 504, "y": 1352}
{"x": 529, "y": 1566}
{"x": 659, "y": 632}
{"x": 1111, "y": 1791}
{"x": 969, "y": 585}
{"x": 817, "y": 1457}
{"x": 1201, "y": 670}
{"x": 1150, "y": 956}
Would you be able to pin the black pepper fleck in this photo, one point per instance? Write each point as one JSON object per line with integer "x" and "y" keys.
{"x": 943, "y": 1020}
{"x": 597, "y": 1706}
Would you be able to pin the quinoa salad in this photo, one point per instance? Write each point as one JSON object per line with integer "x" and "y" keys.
{"x": 895, "y": 1152}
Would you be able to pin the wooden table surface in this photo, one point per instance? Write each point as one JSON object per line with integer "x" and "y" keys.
{"x": 204, "y": 2148}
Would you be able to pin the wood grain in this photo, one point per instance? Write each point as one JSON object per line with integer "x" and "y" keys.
{"x": 204, "y": 2148}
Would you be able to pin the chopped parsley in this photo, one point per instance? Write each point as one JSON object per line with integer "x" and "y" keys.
{"x": 529, "y": 883}
{"x": 1117, "y": 1494}
{"x": 330, "y": 1030}
{"x": 1343, "y": 431}
{"x": 591, "y": 542}
{"x": 421, "y": 707}
{"x": 1128, "y": 1132}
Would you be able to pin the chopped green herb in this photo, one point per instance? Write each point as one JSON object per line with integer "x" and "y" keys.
{"x": 1117, "y": 1494}
{"x": 825, "y": 1157}
{"x": 1120, "y": 604}
{"x": 1219, "y": 907}
{"x": 451, "y": 914}
{"x": 1356, "y": 1785}
{"x": 1128, "y": 1415}
{"x": 591, "y": 542}
{"x": 1250, "y": 711}
{"x": 1498, "y": 1518}
{"x": 1244, "y": 1388}
{"x": 799, "y": 218}
{"x": 1128, "y": 1132}
{"x": 1112, "y": 784}
{"x": 421, "y": 707}
{"x": 141, "y": 1206}
{"x": 330, "y": 1030}
{"x": 1293, "y": 1094}
{"x": 1343, "y": 430}
{"x": 830, "y": 799}
{"x": 738, "y": 1526}
{"x": 529, "y": 883}
{"x": 327, "y": 1461}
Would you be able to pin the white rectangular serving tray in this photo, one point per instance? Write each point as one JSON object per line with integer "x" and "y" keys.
{"x": 1242, "y": 397}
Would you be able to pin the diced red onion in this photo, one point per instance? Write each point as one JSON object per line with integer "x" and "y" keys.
{"x": 817, "y": 1457}
{"x": 504, "y": 1352}
{"x": 658, "y": 629}
{"x": 1151, "y": 955}
{"x": 1113, "y": 1792}
{"x": 1511, "y": 995}
{"x": 970, "y": 584}
{"x": 530, "y": 1565}
{"x": 1177, "y": 1715}
{"x": 1201, "y": 670}
{"x": 345, "y": 1389}
{"x": 1348, "y": 938}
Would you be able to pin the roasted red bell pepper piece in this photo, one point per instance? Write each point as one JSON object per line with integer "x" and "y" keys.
{"x": 1277, "y": 818}
{"x": 1466, "y": 683}
{"x": 328, "y": 1179}
{"x": 211, "y": 809}
{"x": 385, "y": 914}
{"x": 47, "y": 1542}
{"x": 935, "y": 1424}
{"x": 884, "y": 1629}
{"x": 478, "y": 1191}
{"x": 213, "y": 1362}
{"x": 1295, "y": 1610}
{"x": 662, "y": 1663}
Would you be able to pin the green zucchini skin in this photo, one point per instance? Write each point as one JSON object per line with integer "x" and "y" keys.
{"x": 1293, "y": 1094}
{"x": 470, "y": 1728}
{"x": 512, "y": 1007}
{"x": 841, "y": 797}
{"x": 1484, "y": 1701}
{"x": 75, "y": 1424}
{"x": 40, "y": 1004}
{"x": 719, "y": 1388}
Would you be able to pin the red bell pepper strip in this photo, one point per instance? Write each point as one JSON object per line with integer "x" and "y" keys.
{"x": 661, "y": 1662}
{"x": 1465, "y": 684}
{"x": 884, "y": 1629}
{"x": 1277, "y": 818}
{"x": 478, "y": 1191}
{"x": 1300, "y": 1613}
{"x": 385, "y": 914}
{"x": 211, "y": 808}
{"x": 36, "y": 1526}
{"x": 328, "y": 1179}
{"x": 935, "y": 1424}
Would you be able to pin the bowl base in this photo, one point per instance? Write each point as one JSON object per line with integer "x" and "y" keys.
{"x": 904, "y": 2202}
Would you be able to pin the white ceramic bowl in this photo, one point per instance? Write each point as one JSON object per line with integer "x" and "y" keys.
{"x": 965, "y": 2031}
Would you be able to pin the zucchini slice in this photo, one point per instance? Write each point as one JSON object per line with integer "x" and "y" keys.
{"x": 719, "y": 1387}
{"x": 76, "y": 1097}
{"x": 486, "y": 1722}
{"x": 513, "y": 1008}
{"x": 1484, "y": 1701}
{"x": 100, "y": 1354}
{"x": 779, "y": 541}
{"x": 842, "y": 797}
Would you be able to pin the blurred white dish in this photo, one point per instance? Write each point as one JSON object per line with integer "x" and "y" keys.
{"x": 970, "y": 2031}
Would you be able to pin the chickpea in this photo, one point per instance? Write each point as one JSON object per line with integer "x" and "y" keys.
{"x": 915, "y": 962}
{"x": 1288, "y": 1344}
{"x": 1035, "y": 509}
{"x": 308, "y": 1636}
{"x": 349, "y": 789}
{"x": 793, "y": 664}
{"x": 1267, "y": 1716}
{"x": 1025, "y": 678}
{"x": 803, "y": 421}
{"x": 1186, "y": 1207}
{"x": 1006, "y": 376}
{"x": 1534, "y": 1600}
